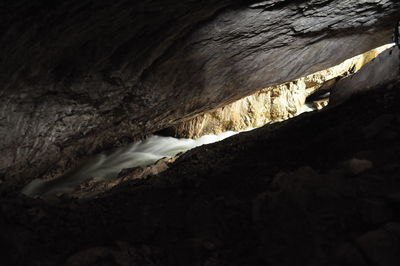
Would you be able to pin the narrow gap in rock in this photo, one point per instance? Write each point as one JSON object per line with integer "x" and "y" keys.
{"x": 154, "y": 154}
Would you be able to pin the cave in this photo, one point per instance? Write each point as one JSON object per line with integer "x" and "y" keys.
{"x": 213, "y": 132}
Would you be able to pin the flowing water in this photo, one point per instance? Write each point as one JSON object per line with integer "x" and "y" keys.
{"x": 142, "y": 153}
{"x": 107, "y": 166}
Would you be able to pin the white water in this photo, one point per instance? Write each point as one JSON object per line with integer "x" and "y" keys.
{"x": 305, "y": 109}
{"x": 105, "y": 166}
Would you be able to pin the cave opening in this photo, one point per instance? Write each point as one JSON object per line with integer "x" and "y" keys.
{"x": 157, "y": 152}
{"x": 105, "y": 107}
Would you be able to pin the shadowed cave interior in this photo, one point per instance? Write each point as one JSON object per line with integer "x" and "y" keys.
{"x": 215, "y": 132}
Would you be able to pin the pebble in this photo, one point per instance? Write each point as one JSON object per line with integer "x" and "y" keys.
{"x": 358, "y": 166}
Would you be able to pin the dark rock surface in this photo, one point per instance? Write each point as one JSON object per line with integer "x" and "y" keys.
{"x": 80, "y": 75}
{"x": 383, "y": 69}
{"x": 320, "y": 189}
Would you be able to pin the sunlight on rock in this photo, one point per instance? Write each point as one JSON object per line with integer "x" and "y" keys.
{"x": 274, "y": 104}
{"x": 144, "y": 158}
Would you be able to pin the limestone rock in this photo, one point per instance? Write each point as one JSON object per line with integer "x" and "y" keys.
{"x": 79, "y": 76}
{"x": 272, "y": 104}
{"x": 224, "y": 204}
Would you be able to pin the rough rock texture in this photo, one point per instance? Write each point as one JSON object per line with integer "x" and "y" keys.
{"x": 382, "y": 70}
{"x": 273, "y": 104}
{"x": 80, "y": 75}
{"x": 319, "y": 189}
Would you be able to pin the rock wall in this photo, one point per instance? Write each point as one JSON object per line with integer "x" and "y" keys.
{"x": 382, "y": 70}
{"x": 272, "y": 104}
{"x": 79, "y": 76}
{"x": 321, "y": 189}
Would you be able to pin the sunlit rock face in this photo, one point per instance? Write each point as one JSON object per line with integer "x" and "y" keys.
{"x": 272, "y": 104}
{"x": 82, "y": 75}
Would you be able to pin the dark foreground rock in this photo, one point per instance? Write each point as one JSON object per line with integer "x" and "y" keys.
{"x": 78, "y": 76}
{"x": 320, "y": 189}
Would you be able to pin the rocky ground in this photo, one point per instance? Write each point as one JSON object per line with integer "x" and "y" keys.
{"x": 320, "y": 189}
